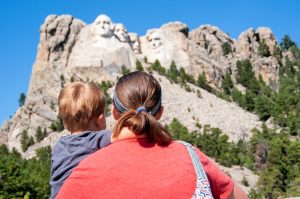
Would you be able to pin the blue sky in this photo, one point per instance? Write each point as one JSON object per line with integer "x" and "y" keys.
{"x": 20, "y": 21}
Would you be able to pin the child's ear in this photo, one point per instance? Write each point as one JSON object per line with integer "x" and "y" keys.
{"x": 101, "y": 121}
{"x": 115, "y": 112}
{"x": 158, "y": 115}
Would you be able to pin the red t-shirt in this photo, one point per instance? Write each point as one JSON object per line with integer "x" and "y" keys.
{"x": 138, "y": 169}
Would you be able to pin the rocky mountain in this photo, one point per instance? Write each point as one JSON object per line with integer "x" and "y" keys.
{"x": 70, "y": 50}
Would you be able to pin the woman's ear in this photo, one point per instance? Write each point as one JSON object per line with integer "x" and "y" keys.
{"x": 158, "y": 115}
{"x": 115, "y": 112}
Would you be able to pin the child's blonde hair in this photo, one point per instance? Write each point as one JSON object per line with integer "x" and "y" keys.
{"x": 79, "y": 103}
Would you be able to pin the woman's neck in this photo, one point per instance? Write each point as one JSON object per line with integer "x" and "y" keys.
{"x": 126, "y": 134}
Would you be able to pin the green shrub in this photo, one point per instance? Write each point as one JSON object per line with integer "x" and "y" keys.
{"x": 52, "y": 106}
{"x": 227, "y": 84}
{"x": 263, "y": 49}
{"x": 245, "y": 182}
{"x": 22, "y": 178}
{"x": 202, "y": 83}
{"x": 156, "y": 66}
{"x": 125, "y": 70}
{"x": 104, "y": 86}
{"x": 40, "y": 134}
{"x": 26, "y": 141}
{"x": 57, "y": 125}
{"x": 139, "y": 66}
{"x": 226, "y": 48}
{"x": 3, "y": 150}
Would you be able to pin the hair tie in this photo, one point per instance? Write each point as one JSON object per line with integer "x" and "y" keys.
{"x": 141, "y": 108}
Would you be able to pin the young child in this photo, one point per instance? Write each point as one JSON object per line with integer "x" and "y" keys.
{"x": 81, "y": 107}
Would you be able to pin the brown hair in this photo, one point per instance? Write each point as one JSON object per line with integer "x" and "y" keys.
{"x": 79, "y": 103}
{"x": 135, "y": 90}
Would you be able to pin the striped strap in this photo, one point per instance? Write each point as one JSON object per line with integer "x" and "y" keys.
{"x": 203, "y": 188}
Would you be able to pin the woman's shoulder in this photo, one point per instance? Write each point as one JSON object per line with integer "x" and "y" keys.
{"x": 179, "y": 144}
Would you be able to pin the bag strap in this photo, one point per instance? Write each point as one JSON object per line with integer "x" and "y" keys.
{"x": 203, "y": 187}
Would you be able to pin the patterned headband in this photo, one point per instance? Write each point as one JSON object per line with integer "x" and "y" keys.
{"x": 123, "y": 109}
{"x": 118, "y": 104}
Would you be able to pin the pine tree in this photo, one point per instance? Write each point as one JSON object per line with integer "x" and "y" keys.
{"x": 177, "y": 129}
{"x": 39, "y": 134}
{"x": 15, "y": 153}
{"x": 226, "y": 48}
{"x": 62, "y": 80}
{"x": 52, "y": 106}
{"x": 263, "y": 49}
{"x": 215, "y": 144}
{"x": 274, "y": 178}
{"x": 57, "y": 125}
{"x": 139, "y": 66}
{"x": 248, "y": 101}
{"x": 244, "y": 72}
{"x": 3, "y": 150}
{"x": 237, "y": 96}
{"x": 173, "y": 73}
{"x": 125, "y": 70}
{"x": 30, "y": 141}
{"x": 202, "y": 83}
{"x": 24, "y": 140}
{"x": 227, "y": 84}
{"x": 145, "y": 59}
{"x": 246, "y": 76}
{"x": 245, "y": 182}
{"x": 277, "y": 53}
{"x": 156, "y": 66}
{"x": 263, "y": 107}
{"x": 104, "y": 86}
{"x": 286, "y": 43}
{"x": 254, "y": 194}
{"x": 22, "y": 99}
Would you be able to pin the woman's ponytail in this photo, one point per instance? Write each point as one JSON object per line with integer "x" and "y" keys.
{"x": 143, "y": 123}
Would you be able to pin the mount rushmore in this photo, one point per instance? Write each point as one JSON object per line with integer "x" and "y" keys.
{"x": 70, "y": 50}
{"x": 108, "y": 46}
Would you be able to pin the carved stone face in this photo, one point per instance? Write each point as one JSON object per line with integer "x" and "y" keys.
{"x": 103, "y": 26}
{"x": 155, "y": 40}
{"x": 121, "y": 32}
{"x": 135, "y": 43}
